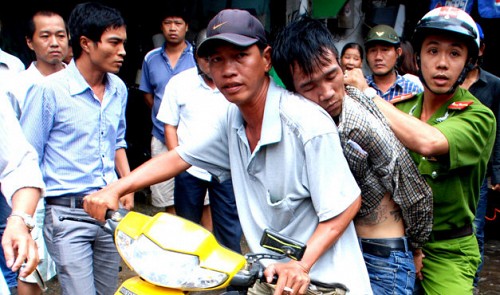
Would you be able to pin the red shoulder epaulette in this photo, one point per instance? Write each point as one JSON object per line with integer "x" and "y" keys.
{"x": 402, "y": 97}
{"x": 459, "y": 105}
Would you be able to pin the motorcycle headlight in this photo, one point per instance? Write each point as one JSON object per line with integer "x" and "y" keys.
{"x": 166, "y": 268}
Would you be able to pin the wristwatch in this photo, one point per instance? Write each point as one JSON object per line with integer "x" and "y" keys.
{"x": 370, "y": 92}
{"x": 28, "y": 219}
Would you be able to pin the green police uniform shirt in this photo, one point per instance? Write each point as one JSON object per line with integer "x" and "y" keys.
{"x": 455, "y": 178}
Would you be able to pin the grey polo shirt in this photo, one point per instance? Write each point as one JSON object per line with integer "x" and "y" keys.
{"x": 296, "y": 177}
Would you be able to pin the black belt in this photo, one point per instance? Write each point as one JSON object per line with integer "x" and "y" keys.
{"x": 383, "y": 247}
{"x": 454, "y": 233}
{"x": 71, "y": 202}
{"x": 336, "y": 288}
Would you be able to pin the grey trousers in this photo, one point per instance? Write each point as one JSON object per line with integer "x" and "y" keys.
{"x": 87, "y": 261}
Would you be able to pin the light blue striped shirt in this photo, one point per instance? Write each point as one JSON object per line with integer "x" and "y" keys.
{"x": 75, "y": 134}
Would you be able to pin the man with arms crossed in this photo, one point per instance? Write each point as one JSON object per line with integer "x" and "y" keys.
{"x": 279, "y": 150}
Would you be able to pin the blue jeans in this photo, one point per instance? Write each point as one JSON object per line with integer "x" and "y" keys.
{"x": 189, "y": 195}
{"x": 479, "y": 223}
{"x": 391, "y": 275}
{"x": 9, "y": 275}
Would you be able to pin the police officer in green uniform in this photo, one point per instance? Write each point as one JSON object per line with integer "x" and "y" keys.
{"x": 450, "y": 135}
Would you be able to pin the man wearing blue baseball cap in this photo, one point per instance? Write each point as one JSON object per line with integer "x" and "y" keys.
{"x": 284, "y": 156}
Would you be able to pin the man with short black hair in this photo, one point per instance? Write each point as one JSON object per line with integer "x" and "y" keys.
{"x": 395, "y": 218}
{"x": 159, "y": 66}
{"x": 47, "y": 37}
{"x": 75, "y": 120}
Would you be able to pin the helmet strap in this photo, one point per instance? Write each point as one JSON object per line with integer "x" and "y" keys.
{"x": 467, "y": 68}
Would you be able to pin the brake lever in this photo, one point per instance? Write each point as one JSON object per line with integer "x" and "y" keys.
{"x": 252, "y": 258}
{"x": 112, "y": 219}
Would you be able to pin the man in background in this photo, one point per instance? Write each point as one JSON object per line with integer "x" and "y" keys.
{"x": 193, "y": 104}
{"x": 47, "y": 37}
{"x": 383, "y": 49}
{"x": 159, "y": 66}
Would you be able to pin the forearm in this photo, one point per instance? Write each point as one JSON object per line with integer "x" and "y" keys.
{"x": 155, "y": 170}
{"x": 123, "y": 169}
{"x": 26, "y": 199}
{"x": 415, "y": 134}
{"x": 171, "y": 139}
{"x": 18, "y": 245}
{"x": 327, "y": 233}
{"x": 149, "y": 99}
{"x": 121, "y": 163}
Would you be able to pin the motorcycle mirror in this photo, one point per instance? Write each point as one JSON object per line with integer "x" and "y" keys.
{"x": 279, "y": 243}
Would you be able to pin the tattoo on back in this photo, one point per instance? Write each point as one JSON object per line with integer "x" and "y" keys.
{"x": 381, "y": 214}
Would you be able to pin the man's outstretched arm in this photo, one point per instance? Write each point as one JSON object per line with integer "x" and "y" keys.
{"x": 155, "y": 170}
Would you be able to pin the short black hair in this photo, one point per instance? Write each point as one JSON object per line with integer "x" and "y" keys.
{"x": 303, "y": 43}
{"x": 91, "y": 19}
{"x": 175, "y": 9}
{"x": 31, "y": 28}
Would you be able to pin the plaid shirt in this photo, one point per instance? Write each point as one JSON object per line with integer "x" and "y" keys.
{"x": 380, "y": 164}
{"x": 401, "y": 87}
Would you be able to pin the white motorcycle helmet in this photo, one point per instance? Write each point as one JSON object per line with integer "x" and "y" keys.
{"x": 450, "y": 21}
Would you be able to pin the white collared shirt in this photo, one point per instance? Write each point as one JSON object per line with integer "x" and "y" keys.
{"x": 191, "y": 105}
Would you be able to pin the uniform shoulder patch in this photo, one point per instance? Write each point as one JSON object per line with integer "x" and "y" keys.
{"x": 402, "y": 97}
{"x": 459, "y": 105}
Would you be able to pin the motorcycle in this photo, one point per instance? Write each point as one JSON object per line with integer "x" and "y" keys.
{"x": 172, "y": 255}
